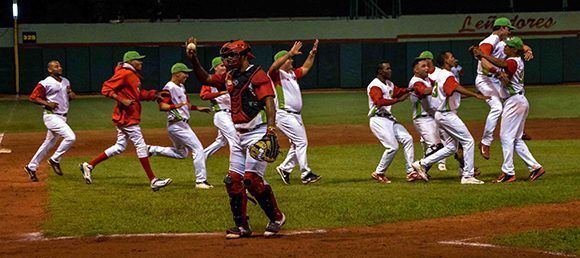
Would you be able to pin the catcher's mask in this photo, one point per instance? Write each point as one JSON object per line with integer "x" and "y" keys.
{"x": 232, "y": 51}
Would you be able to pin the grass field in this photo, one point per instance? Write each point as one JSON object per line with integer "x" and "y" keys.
{"x": 120, "y": 201}
{"x": 319, "y": 109}
{"x": 559, "y": 240}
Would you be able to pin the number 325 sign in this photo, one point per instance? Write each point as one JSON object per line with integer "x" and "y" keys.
{"x": 29, "y": 37}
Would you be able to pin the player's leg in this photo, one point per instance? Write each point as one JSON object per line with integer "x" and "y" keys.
{"x": 286, "y": 123}
{"x": 403, "y": 137}
{"x": 223, "y": 122}
{"x": 61, "y": 128}
{"x": 45, "y": 147}
{"x": 457, "y": 130}
{"x": 298, "y": 138}
{"x": 521, "y": 148}
{"x": 178, "y": 137}
{"x": 134, "y": 134}
{"x": 119, "y": 146}
{"x": 237, "y": 192}
{"x": 442, "y": 164}
{"x": 382, "y": 128}
{"x": 510, "y": 123}
{"x": 258, "y": 187}
{"x": 196, "y": 148}
{"x": 219, "y": 142}
{"x": 486, "y": 86}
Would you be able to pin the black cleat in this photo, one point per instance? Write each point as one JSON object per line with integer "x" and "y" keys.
{"x": 55, "y": 167}
{"x": 284, "y": 175}
{"x": 310, "y": 178}
{"x": 31, "y": 173}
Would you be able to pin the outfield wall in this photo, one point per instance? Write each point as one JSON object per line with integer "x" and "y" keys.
{"x": 348, "y": 53}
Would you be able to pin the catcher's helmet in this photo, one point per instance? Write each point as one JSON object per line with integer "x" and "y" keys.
{"x": 232, "y": 50}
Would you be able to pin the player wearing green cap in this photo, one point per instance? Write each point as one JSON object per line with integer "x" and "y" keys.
{"x": 177, "y": 106}
{"x": 288, "y": 117}
{"x": 221, "y": 105}
{"x": 487, "y": 81}
{"x": 125, "y": 88}
{"x": 515, "y": 110}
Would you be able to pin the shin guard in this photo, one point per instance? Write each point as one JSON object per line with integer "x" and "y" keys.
{"x": 238, "y": 198}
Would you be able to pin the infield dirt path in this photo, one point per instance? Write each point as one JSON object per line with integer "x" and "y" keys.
{"x": 22, "y": 209}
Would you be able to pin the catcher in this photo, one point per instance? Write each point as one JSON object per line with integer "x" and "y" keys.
{"x": 254, "y": 114}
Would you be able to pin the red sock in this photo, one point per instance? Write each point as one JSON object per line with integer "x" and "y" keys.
{"x": 102, "y": 157}
{"x": 147, "y": 168}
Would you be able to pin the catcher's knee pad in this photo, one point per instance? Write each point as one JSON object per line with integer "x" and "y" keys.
{"x": 238, "y": 198}
{"x": 254, "y": 183}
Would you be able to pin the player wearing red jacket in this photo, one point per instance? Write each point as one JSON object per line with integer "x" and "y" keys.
{"x": 125, "y": 88}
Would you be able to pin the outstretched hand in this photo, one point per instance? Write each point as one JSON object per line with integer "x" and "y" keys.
{"x": 204, "y": 109}
{"x": 295, "y": 50}
{"x": 314, "y": 48}
{"x": 190, "y": 52}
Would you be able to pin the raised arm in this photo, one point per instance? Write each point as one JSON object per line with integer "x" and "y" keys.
{"x": 200, "y": 73}
{"x": 486, "y": 57}
{"x": 310, "y": 59}
{"x": 295, "y": 50}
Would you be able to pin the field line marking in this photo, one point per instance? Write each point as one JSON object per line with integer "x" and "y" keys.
{"x": 464, "y": 242}
{"x": 38, "y": 236}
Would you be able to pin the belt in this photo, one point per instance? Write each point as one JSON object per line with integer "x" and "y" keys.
{"x": 422, "y": 116}
{"x": 51, "y": 113}
{"x": 181, "y": 120}
{"x": 291, "y": 112}
{"x": 387, "y": 115}
{"x": 224, "y": 110}
{"x": 244, "y": 130}
{"x": 444, "y": 111}
{"x": 517, "y": 93}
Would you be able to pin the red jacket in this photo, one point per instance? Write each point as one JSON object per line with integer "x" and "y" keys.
{"x": 126, "y": 83}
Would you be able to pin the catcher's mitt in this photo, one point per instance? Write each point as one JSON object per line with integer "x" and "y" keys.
{"x": 266, "y": 149}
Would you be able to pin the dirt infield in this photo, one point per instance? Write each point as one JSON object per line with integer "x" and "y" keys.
{"x": 23, "y": 210}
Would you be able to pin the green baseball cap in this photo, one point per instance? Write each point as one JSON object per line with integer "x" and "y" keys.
{"x": 425, "y": 55}
{"x": 280, "y": 53}
{"x": 131, "y": 55}
{"x": 515, "y": 42}
{"x": 215, "y": 62}
{"x": 180, "y": 67}
{"x": 503, "y": 21}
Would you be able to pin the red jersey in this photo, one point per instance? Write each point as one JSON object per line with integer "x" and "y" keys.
{"x": 126, "y": 83}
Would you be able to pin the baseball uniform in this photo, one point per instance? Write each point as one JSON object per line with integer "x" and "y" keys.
{"x": 222, "y": 119}
{"x": 53, "y": 90}
{"x": 385, "y": 126}
{"x": 183, "y": 138}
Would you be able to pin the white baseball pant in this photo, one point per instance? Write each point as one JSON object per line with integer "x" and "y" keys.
{"x": 430, "y": 133}
{"x": 240, "y": 159}
{"x": 458, "y": 134}
{"x": 292, "y": 126}
{"x": 490, "y": 87}
{"x": 390, "y": 134}
{"x": 57, "y": 127}
{"x": 513, "y": 120}
{"x": 226, "y": 133}
{"x": 132, "y": 133}
{"x": 184, "y": 140}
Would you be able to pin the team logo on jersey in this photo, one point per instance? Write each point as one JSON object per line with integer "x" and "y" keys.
{"x": 435, "y": 90}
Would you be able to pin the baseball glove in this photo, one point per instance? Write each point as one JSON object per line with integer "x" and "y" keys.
{"x": 266, "y": 149}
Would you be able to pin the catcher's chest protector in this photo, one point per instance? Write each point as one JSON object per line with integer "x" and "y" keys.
{"x": 245, "y": 104}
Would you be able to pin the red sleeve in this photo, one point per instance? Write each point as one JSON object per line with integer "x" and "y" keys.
{"x": 263, "y": 86}
{"x": 486, "y": 48}
{"x": 299, "y": 73}
{"x": 112, "y": 84}
{"x": 450, "y": 85}
{"x": 376, "y": 95}
{"x": 147, "y": 94}
{"x": 275, "y": 76}
{"x": 399, "y": 92}
{"x": 512, "y": 67}
{"x": 206, "y": 93}
{"x": 38, "y": 92}
{"x": 419, "y": 88}
{"x": 219, "y": 81}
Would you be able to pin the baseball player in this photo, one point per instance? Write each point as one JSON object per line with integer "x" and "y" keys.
{"x": 443, "y": 103}
{"x": 431, "y": 135}
{"x": 457, "y": 71}
{"x": 222, "y": 119}
{"x": 253, "y": 112}
{"x": 382, "y": 94}
{"x": 53, "y": 93}
{"x": 125, "y": 88}
{"x": 515, "y": 111}
{"x": 184, "y": 140}
{"x": 487, "y": 81}
{"x": 288, "y": 117}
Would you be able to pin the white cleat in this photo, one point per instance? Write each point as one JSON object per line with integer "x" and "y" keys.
{"x": 86, "y": 169}
{"x": 442, "y": 167}
{"x": 420, "y": 169}
{"x": 471, "y": 181}
{"x": 157, "y": 183}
